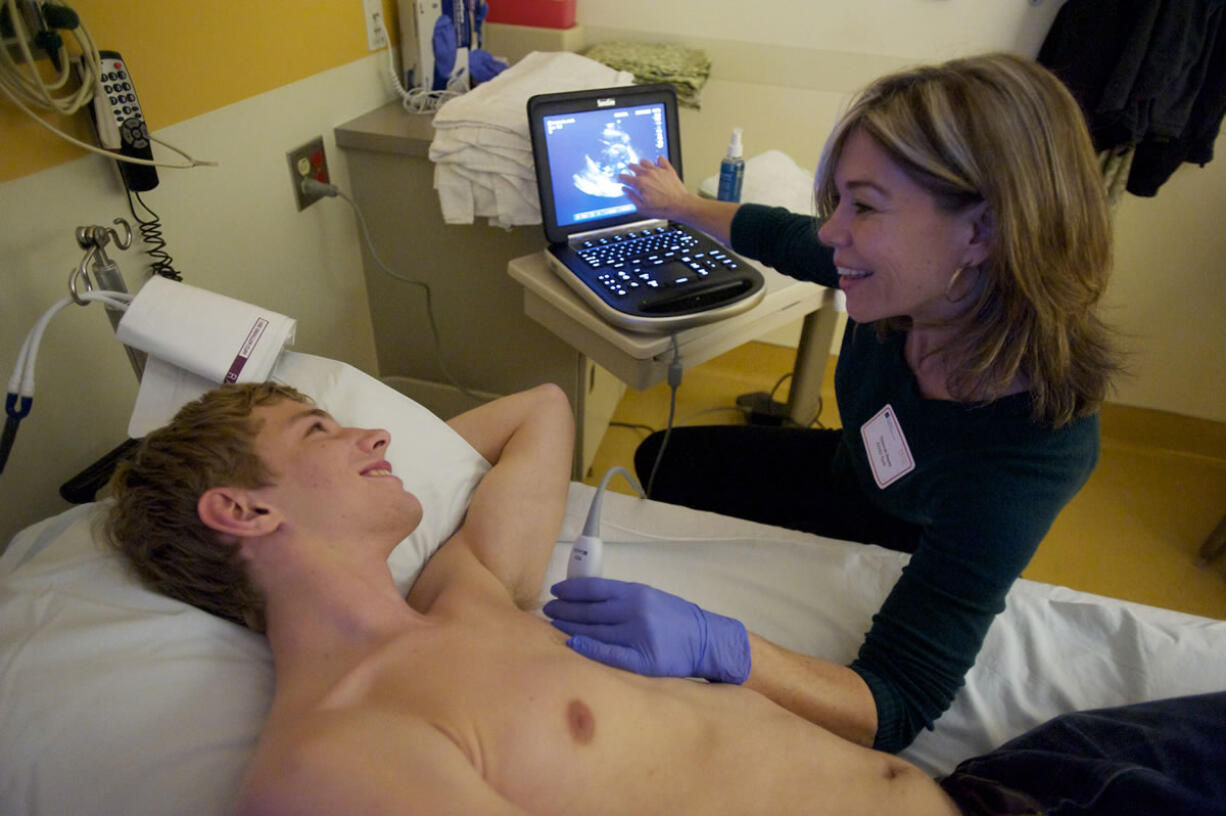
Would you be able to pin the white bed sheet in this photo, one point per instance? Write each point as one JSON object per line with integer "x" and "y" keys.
{"x": 1052, "y": 650}
{"x": 114, "y": 700}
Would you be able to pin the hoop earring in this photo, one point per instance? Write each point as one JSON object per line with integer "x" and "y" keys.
{"x": 953, "y": 281}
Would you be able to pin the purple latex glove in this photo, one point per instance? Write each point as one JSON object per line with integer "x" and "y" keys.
{"x": 483, "y": 67}
{"x": 444, "y": 44}
{"x": 646, "y": 631}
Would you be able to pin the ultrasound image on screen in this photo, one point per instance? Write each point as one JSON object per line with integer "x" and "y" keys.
{"x": 590, "y": 149}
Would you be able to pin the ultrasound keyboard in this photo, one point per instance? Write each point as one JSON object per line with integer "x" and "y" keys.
{"x": 658, "y": 278}
{"x": 628, "y": 261}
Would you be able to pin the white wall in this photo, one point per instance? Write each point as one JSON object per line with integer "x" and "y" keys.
{"x": 923, "y": 29}
{"x": 782, "y": 69}
{"x": 233, "y": 229}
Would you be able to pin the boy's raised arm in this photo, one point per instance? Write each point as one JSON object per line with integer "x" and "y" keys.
{"x": 516, "y": 512}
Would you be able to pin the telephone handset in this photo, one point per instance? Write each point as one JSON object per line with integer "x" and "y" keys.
{"x": 119, "y": 123}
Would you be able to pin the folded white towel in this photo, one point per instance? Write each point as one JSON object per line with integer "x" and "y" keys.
{"x": 481, "y": 148}
{"x": 502, "y": 102}
{"x": 465, "y": 195}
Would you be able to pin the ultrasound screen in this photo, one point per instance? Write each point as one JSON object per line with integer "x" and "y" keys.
{"x": 588, "y": 150}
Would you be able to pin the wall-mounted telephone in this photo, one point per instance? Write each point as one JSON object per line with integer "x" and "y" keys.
{"x": 119, "y": 122}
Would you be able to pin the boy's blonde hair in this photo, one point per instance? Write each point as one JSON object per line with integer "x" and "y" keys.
{"x": 155, "y": 524}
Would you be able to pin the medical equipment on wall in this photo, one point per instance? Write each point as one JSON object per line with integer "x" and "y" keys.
{"x": 170, "y": 324}
{"x": 106, "y": 275}
{"x": 106, "y": 287}
{"x": 30, "y": 29}
{"x": 430, "y": 25}
{"x": 587, "y": 553}
{"x": 440, "y": 47}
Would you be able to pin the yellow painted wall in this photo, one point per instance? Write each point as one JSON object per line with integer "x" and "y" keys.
{"x": 237, "y": 49}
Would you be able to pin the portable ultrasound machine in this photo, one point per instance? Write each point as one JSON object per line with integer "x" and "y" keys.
{"x": 642, "y": 275}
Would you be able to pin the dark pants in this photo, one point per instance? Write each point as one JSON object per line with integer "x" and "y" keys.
{"x": 773, "y": 475}
{"x": 1165, "y": 758}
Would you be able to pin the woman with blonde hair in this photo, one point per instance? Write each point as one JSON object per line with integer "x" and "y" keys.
{"x": 962, "y": 213}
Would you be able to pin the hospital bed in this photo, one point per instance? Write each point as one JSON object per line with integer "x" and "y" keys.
{"x": 114, "y": 700}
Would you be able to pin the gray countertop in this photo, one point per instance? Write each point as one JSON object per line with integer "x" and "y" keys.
{"x": 388, "y": 129}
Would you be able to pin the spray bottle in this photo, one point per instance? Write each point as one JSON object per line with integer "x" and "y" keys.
{"x": 732, "y": 170}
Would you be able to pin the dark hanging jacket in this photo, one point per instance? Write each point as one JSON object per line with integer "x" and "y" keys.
{"x": 1149, "y": 74}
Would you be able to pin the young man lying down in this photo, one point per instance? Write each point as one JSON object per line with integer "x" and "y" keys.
{"x": 255, "y": 505}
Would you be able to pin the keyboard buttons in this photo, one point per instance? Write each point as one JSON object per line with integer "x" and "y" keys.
{"x": 654, "y": 259}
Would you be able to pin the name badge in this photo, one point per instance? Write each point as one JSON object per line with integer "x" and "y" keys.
{"x": 888, "y": 453}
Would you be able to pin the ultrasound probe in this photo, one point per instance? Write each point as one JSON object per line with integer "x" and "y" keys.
{"x": 587, "y": 553}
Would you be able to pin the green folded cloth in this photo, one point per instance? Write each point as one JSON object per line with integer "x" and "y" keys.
{"x": 686, "y": 69}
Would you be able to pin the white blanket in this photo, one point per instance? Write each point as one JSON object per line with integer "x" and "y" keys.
{"x": 1052, "y": 650}
{"x": 114, "y": 700}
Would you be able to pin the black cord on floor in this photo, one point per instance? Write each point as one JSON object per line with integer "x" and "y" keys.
{"x": 637, "y": 426}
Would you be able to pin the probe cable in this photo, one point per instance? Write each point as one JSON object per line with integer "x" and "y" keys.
{"x": 674, "y": 381}
{"x": 20, "y": 398}
{"x": 587, "y": 552}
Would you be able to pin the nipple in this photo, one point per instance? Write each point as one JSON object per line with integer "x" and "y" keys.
{"x": 580, "y": 721}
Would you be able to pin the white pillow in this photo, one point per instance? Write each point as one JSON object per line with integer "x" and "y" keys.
{"x": 114, "y": 699}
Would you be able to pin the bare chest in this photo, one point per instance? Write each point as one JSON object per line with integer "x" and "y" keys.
{"x": 558, "y": 734}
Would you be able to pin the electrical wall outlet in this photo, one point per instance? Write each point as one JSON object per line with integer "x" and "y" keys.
{"x": 376, "y": 26}
{"x": 308, "y": 161}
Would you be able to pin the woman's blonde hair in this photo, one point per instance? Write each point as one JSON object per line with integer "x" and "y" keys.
{"x": 1001, "y": 129}
{"x": 154, "y": 522}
